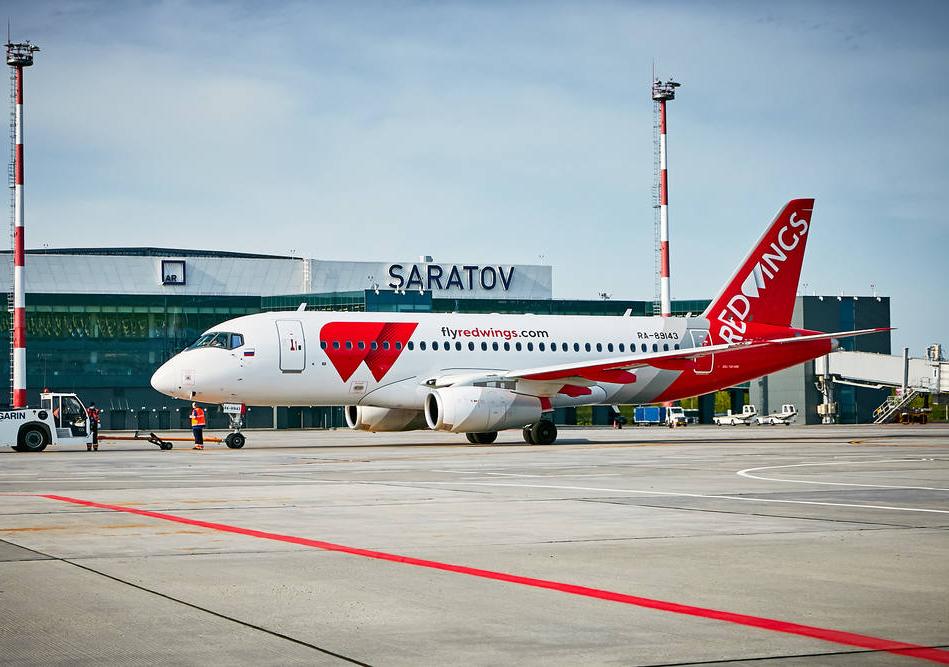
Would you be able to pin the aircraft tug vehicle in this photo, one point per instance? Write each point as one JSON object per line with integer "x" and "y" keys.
{"x": 785, "y": 416}
{"x": 744, "y": 418}
{"x": 61, "y": 419}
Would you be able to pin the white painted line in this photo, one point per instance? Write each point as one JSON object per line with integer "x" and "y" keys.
{"x": 665, "y": 493}
{"x": 747, "y": 473}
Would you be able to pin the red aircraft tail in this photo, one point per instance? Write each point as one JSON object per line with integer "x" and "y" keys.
{"x": 763, "y": 289}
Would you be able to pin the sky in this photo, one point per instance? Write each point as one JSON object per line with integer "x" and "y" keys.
{"x": 501, "y": 132}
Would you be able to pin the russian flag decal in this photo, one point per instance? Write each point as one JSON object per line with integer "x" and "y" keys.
{"x": 249, "y": 353}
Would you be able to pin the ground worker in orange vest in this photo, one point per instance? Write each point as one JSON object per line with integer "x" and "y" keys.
{"x": 197, "y": 425}
{"x": 93, "y": 412}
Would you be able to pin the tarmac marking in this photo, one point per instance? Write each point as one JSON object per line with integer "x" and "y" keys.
{"x": 747, "y": 473}
{"x": 774, "y": 625}
{"x": 675, "y": 494}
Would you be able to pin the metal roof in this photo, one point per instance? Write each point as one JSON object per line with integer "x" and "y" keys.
{"x": 149, "y": 252}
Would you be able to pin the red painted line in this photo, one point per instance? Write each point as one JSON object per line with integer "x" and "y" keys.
{"x": 825, "y": 634}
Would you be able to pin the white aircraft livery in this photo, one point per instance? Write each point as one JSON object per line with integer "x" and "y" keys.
{"x": 480, "y": 374}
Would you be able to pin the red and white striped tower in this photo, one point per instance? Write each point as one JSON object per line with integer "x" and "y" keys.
{"x": 661, "y": 93}
{"x": 19, "y": 56}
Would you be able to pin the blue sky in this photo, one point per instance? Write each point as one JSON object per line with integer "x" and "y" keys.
{"x": 503, "y": 132}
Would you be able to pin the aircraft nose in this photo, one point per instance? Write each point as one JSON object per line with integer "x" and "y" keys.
{"x": 163, "y": 379}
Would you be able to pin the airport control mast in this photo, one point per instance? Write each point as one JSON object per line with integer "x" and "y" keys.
{"x": 19, "y": 55}
{"x": 661, "y": 93}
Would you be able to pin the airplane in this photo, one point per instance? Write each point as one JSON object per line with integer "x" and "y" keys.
{"x": 481, "y": 374}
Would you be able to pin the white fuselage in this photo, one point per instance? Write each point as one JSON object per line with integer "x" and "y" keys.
{"x": 336, "y": 358}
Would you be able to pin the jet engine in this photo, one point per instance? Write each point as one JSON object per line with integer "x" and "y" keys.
{"x": 369, "y": 418}
{"x": 479, "y": 409}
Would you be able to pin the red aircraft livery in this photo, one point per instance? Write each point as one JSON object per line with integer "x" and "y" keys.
{"x": 379, "y": 344}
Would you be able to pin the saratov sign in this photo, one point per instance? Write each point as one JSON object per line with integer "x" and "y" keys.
{"x": 450, "y": 277}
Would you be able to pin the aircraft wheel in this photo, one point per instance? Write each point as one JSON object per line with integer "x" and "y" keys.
{"x": 33, "y": 439}
{"x": 528, "y": 435}
{"x": 165, "y": 446}
{"x": 472, "y": 438}
{"x": 544, "y": 432}
{"x": 482, "y": 438}
{"x": 235, "y": 440}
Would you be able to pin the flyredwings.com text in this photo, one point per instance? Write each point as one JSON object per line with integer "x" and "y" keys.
{"x": 733, "y": 317}
{"x": 506, "y": 334}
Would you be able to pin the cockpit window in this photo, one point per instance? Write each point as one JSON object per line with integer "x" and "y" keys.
{"x": 220, "y": 339}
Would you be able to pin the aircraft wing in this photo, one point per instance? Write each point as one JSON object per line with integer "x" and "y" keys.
{"x": 617, "y": 369}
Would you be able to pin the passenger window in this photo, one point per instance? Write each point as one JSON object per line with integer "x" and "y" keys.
{"x": 587, "y": 347}
{"x": 385, "y": 345}
{"x": 576, "y": 347}
{"x": 599, "y": 347}
{"x": 507, "y": 347}
{"x": 609, "y": 347}
{"x": 361, "y": 345}
{"x": 540, "y": 346}
{"x": 665, "y": 347}
{"x": 655, "y": 347}
{"x": 421, "y": 346}
{"x": 398, "y": 346}
{"x": 563, "y": 347}
{"x": 373, "y": 345}
{"x": 484, "y": 346}
{"x": 494, "y": 346}
{"x": 435, "y": 345}
{"x": 517, "y": 346}
{"x": 458, "y": 346}
{"x": 530, "y": 347}
{"x": 622, "y": 347}
{"x": 335, "y": 344}
{"x": 349, "y": 345}
{"x": 644, "y": 347}
{"x": 675, "y": 347}
{"x": 471, "y": 346}
{"x": 322, "y": 344}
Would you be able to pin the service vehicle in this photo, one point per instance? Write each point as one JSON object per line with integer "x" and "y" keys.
{"x": 785, "y": 416}
{"x": 60, "y": 419}
{"x": 657, "y": 415}
{"x": 745, "y": 417}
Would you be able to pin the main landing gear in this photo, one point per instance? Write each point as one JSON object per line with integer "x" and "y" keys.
{"x": 543, "y": 432}
{"x": 482, "y": 438}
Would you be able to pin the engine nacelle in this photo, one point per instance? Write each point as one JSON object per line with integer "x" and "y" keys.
{"x": 369, "y": 418}
{"x": 479, "y": 409}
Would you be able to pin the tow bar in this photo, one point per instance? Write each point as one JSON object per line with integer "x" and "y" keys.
{"x": 234, "y": 440}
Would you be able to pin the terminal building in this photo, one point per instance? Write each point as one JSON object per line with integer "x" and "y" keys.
{"x": 101, "y": 320}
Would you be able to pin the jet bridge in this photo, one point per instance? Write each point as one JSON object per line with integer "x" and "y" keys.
{"x": 912, "y": 376}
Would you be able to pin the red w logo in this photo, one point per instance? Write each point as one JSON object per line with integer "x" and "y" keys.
{"x": 379, "y": 344}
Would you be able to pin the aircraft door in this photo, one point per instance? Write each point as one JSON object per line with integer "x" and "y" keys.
{"x": 292, "y": 351}
{"x": 703, "y": 365}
